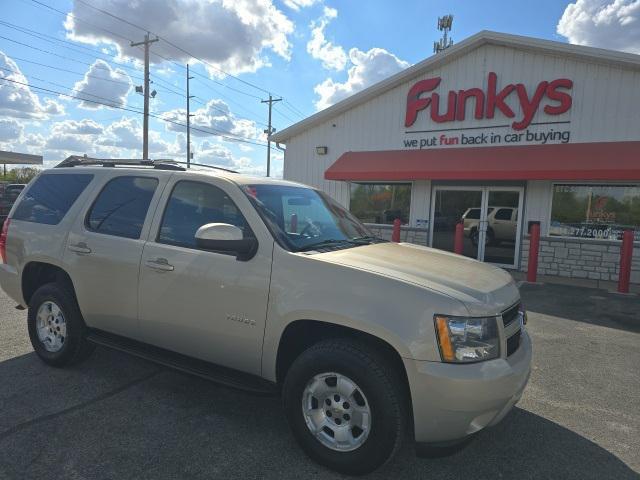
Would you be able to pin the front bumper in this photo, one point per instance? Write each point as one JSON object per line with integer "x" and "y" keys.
{"x": 452, "y": 401}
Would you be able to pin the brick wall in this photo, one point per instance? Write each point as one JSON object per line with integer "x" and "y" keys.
{"x": 407, "y": 234}
{"x": 585, "y": 259}
{"x": 596, "y": 260}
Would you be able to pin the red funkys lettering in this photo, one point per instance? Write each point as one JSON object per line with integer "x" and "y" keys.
{"x": 487, "y": 102}
{"x": 462, "y": 99}
{"x": 497, "y": 100}
{"x": 563, "y": 98}
{"x": 415, "y": 103}
{"x": 451, "y": 108}
{"x": 529, "y": 107}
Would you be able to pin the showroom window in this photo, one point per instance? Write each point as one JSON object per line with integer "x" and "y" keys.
{"x": 381, "y": 203}
{"x": 595, "y": 211}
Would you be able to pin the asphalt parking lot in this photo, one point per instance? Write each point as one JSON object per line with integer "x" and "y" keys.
{"x": 119, "y": 417}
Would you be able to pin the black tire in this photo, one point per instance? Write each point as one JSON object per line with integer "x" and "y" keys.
{"x": 75, "y": 347}
{"x": 380, "y": 385}
{"x": 475, "y": 237}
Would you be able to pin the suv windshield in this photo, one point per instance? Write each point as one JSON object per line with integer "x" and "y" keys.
{"x": 306, "y": 219}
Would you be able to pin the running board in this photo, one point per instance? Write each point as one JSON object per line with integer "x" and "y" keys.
{"x": 216, "y": 373}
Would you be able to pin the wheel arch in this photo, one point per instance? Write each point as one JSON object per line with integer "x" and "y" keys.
{"x": 302, "y": 334}
{"x": 36, "y": 273}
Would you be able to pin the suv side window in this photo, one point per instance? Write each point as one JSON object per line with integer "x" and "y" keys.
{"x": 121, "y": 206}
{"x": 50, "y": 197}
{"x": 504, "y": 214}
{"x": 193, "y": 204}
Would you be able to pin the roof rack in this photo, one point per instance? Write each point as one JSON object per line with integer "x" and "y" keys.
{"x": 84, "y": 160}
{"x": 199, "y": 165}
{"x": 161, "y": 164}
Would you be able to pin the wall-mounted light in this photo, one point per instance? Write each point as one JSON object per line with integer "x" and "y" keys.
{"x": 322, "y": 150}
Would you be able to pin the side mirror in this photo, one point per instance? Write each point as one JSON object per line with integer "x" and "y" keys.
{"x": 226, "y": 238}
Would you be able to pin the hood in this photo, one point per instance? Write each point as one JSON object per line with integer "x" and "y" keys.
{"x": 483, "y": 288}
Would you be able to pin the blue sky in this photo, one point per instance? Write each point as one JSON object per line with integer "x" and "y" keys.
{"x": 312, "y": 52}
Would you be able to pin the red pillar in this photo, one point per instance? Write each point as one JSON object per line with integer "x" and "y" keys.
{"x": 395, "y": 236}
{"x": 458, "y": 239}
{"x": 534, "y": 247}
{"x": 626, "y": 254}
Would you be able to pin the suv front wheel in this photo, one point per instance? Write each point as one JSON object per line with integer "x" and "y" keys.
{"x": 345, "y": 406}
{"x": 56, "y": 326}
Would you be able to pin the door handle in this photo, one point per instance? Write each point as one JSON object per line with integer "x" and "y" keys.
{"x": 159, "y": 264}
{"x": 80, "y": 248}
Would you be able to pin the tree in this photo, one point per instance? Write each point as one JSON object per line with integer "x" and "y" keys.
{"x": 21, "y": 175}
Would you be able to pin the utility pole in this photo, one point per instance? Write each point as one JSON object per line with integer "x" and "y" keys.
{"x": 189, "y": 115}
{"x": 269, "y": 131}
{"x": 145, "y": 128}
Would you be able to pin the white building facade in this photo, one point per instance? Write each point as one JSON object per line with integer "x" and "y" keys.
{"x": 496, "y": 132}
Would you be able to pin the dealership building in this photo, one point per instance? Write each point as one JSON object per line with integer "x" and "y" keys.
{"x": 498, "y": 131}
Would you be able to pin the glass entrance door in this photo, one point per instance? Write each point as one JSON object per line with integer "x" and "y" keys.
{"x": 450, "y": 205}
{"x": 491, "y": 218}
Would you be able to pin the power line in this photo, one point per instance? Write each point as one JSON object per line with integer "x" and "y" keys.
{"x": 163, "y": 57}
{"x": 177, "y": 47}
{"x": 159, "y": 82}
{"x": 284, "y": 114}
{"x": 292, "y": 108}
{"x": 222, "y": 134}
{"x": 93, "y": 65}
{"x": 112, "y": 101}
{"x": 42, "y": 50}
{"x": 68, "y": 71}
{"x": 80, "y": 19}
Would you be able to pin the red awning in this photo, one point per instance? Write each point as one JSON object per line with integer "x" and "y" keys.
{"x": 570, "y": 161}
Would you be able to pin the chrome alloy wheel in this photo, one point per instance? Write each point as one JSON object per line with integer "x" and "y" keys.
{"x": 336, "y": 411}
{"x": 51, "y": 326}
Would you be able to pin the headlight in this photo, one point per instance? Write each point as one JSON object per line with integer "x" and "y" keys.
{"x": 465, "y": 340}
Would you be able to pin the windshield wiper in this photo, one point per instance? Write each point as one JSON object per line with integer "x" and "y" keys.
{"x": 366, "y": 240}
{"x": 327, "y": 243}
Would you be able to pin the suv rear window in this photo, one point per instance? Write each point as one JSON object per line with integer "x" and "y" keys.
{"x": 121, "y": 206}
{"x": 50, "y": 197}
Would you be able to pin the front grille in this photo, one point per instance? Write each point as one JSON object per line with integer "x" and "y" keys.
{"x": 511, "y": 315}
{"x": 513, "y": 342}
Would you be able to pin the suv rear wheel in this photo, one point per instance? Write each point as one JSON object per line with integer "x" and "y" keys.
{"x": 345, "y": 406}
{"x": 56, "y": 327}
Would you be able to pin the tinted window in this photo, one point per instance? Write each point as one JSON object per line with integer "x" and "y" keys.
{"x": 504, "y": 214}
{"x": 122, "y": 206}
{"x": 473, "y": 214}
{"x": 595, "y": 211}
{"x": 380, "y": 203}
{"x": 193, "y": 204}
{"x": 50, "y": 197}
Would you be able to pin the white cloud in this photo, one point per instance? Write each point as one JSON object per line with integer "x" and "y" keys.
{"x": 104, "y": 85}
{"x": 73, "y": 135}
{"x": 10, "y": 129}
{"x": 298, "y": 4}
{"x": 125, "y": 133}
{"x": 215, "y": 118}
{"x": 77, "y": 127}
{"x": 211, "y": 153}
{"x": 231, "y": 34}
{"x": 603, "y": 23}
{"x": 17, "y": 99}
{"x": 333, "y": 57}
{"x": 367, "y": 68}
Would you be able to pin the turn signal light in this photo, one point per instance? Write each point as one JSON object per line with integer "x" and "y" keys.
{"x": 446, "y": 348}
